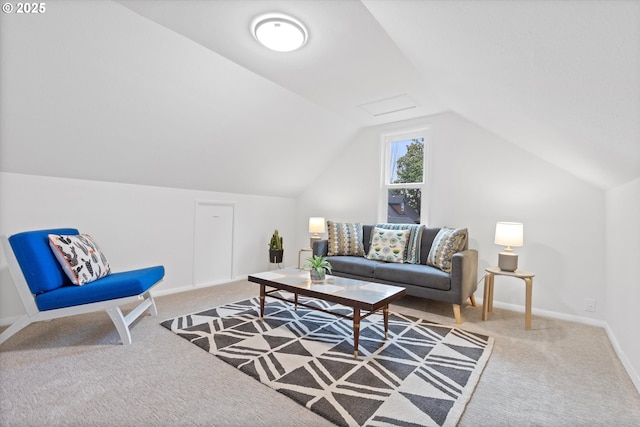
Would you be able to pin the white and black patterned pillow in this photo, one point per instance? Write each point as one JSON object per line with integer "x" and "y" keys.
{"x": 345, "y": 239}
{"x": 447, "y": 243}
{"x": 80, "y": 257}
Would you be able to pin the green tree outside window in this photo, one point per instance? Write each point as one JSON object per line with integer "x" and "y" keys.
{"x": 410, "y": 170}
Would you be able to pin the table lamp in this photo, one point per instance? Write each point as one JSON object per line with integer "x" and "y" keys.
{"x": 508, "y": 234}
{"x": 316, "y": 226}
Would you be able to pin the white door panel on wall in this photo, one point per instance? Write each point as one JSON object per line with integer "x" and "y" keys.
{"x": 213, "y": 243}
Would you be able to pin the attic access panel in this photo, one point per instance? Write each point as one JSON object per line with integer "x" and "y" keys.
{"x": 389, "y": 105}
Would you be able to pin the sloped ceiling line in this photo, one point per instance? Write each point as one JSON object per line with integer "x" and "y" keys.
{"x": 560, "y": 79}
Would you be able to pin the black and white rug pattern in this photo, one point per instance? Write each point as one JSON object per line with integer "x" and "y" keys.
{"x": 423, "y": 374}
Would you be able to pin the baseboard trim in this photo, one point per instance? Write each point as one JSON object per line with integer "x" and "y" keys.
{"x": 549, "y": 314}
{"x": 171, "y": 291}
{"x": 633, "y": 375}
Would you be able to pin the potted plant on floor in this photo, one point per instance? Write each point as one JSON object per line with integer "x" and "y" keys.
{"x": 276, "y": 250}
{"x": 318, "y": 266}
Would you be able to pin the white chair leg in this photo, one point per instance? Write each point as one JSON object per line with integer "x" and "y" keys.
{"x": 121, "y": 325}
{"x": 152, "y": 309}
{"x": 14, "y": 328}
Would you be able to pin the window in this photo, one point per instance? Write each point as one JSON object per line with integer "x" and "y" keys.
{"x": 404, "y": 167}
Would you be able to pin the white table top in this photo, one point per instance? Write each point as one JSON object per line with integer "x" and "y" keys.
{"x": 518, "y": 273}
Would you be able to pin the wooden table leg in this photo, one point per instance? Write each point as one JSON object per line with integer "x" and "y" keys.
{"x": 386, "y": 321}
{"x": 527, "y": 318}
{"x": 356, "y": 331}
{"x": 487, "y": 295}
{"x": 262, "y": 296}
{"x": 492, "y": 281}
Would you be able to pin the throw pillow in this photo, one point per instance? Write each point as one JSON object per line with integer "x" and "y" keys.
{"x": 345, "y": 239}
{"x": 388, "y": 245}
{"x": 448, "y": 241}
{"x": 80, "y": 257}
{"x": 412, "y": 250}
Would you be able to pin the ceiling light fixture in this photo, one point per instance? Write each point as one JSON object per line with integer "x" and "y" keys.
{"x": 279, "y": 32}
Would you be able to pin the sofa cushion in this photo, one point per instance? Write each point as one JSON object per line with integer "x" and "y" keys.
{"x": 366, "y": 237}
{"x": 414, "y": 241}
{"x": 116, "y": 285}
{"x": 388, "y": 245}
{"x": 80, "y": 257}
{"x": 428, "y": 236}
{"x": 357, "y": 266}
{"x": 46, "y": 274}
{"x": 345, "y": 239}
{"x": 414, "y": 274}
{"x": 448, "y": 241}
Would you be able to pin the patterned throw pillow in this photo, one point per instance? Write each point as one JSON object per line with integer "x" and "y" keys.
{"x": 345, "y": 239}
{"x": 448, "y": 241}
{"x": 412, "y": 251}
{"x": 79, "y": 257}
{"x": 388, "y": 245}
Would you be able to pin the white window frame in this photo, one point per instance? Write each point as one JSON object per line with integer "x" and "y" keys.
{"x": 385, "y": 182}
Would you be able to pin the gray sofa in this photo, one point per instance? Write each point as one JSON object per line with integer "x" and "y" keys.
{"x": 419, "y": 280}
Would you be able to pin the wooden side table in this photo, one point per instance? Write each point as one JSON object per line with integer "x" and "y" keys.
{"x": 300, "y": 254}
{"x": 487, "y": 304}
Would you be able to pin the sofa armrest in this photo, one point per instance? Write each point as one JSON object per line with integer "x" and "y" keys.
{"x": 321, "y": 247}
{"x": 464, "y": 273}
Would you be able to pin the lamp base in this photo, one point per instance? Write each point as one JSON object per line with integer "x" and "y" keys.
{"x": 314, "y": 239}
{"x": 508, "y": 261}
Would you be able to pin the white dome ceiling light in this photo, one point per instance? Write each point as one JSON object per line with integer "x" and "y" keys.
{"x": 279, "y": 32}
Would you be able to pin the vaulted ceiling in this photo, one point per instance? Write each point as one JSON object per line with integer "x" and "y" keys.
{"x": 179, "y": 94}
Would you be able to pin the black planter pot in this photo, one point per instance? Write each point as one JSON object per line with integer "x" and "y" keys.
{"x": 275, "y": 255}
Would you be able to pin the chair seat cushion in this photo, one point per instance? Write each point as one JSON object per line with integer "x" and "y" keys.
{"x": 113, "y": 286}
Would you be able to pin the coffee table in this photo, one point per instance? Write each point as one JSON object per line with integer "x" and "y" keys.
{"x": 357, "y": 294}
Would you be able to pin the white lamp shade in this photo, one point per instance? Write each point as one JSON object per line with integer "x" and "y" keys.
{"x": 509, "y": 234}
{"x": 316, "y": 224}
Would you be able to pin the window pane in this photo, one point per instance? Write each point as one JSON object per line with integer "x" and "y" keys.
{"x": 404, "y": 206}
{"x": 406, "y": 161}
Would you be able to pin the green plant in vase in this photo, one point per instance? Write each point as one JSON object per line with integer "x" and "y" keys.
{"x": 318, "y": 266}
{"x": 276, "y": 251}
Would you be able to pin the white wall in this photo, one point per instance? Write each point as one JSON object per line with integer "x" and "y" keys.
{"x": 138, "y": 226}
{"x": 477, "y": 179}
{"x": 623, "y": 282}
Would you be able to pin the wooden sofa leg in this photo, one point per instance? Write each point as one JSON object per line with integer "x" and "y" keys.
{"x": 472, "y": 298}
{"x": 456, "y": 313}
{"x": 121, "y": 325}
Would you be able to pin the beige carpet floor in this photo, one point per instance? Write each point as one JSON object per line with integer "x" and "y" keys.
{"x": 72, "y": 371}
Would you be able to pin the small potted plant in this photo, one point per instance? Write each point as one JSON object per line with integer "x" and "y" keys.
{"x": 318, "y": 265}
{"x": 275, "y": 248}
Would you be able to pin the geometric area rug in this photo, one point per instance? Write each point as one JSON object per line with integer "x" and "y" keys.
{"x": 423, "y": 374}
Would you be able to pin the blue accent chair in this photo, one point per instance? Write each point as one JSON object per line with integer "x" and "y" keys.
{"x": 47, "y": 292}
